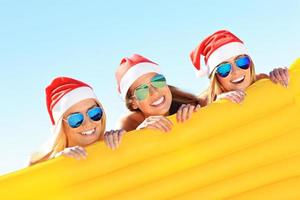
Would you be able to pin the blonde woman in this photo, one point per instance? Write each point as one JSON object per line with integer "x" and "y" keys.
{"x": 78, "y": 120}
{"x": 229, "y": 67}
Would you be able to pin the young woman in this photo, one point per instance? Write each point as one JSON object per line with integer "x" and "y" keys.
{"x": 78, "y": 120}
{"x": 148, "y": 97}
{"x": 230, "y": 68}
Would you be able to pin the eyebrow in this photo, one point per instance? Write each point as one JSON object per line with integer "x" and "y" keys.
{"x": 243, "y": 55}
{"x": 145, "y": 83}
{"x": 234, "y": 59}
{"x": 93, "y": 106}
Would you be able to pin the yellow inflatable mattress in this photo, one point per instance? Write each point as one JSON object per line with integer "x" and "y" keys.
{"x": 225, "y": 151}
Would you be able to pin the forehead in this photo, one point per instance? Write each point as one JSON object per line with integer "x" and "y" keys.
{"x": 146, "y": 78}
{"x": 233, "y": 58}
{"x": 81, "y": 106}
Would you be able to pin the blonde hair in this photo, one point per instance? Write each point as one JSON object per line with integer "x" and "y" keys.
{"x": 215, "y": 88}
{"x": 61, "y": 142}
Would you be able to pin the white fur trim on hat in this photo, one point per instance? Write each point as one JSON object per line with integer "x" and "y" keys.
{"x": 225, "y": 52}
{"x": 134, "y": 73}
{"x": 202, "y": 72}
{"x": 70, "y": 99}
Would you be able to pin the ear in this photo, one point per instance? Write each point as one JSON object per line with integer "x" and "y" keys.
{"x": 133, "y": 103}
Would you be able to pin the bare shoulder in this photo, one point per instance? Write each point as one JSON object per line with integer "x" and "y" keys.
{"x": 131, "y": 121}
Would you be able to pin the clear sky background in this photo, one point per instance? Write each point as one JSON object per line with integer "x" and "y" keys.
{"x": 84, "y": 39}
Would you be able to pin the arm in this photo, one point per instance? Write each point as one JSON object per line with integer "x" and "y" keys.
{"x": 261, "y": 76}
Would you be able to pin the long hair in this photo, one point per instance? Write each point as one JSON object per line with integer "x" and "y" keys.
{"x": 178, "y": 96}
{"x": 215, "y": 88}
{"x": 50, "y": 149}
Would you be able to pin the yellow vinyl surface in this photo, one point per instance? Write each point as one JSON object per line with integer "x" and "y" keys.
{"x": 225, "y": 151}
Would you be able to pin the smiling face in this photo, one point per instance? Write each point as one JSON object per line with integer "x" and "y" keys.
{"x": 89, "y": 131}
{"x": 238, "y": 78}
{"x": 157, "y": 102}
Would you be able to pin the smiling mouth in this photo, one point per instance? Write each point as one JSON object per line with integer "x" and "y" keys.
{"x": 238, "y": 80}
{"x": 158, "y": 102}
{"x": 88, "y": 132}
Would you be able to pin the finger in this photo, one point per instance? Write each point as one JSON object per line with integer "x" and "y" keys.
{"x": 184, "y": 113}
{"x": 179, "y": 113}
{"x": 241, "y": 93}
{"x": 106, "y": 138}
{"x": 167, "y": 122}
{"x": 120, "y": 135}
{"x": 278, "y": 76}
{"x": 282, "y": 76}
{"x": 156, "y": 126}
{"x": 82, "y": 151}
{"x": 115, "y": 138}
{"x": 238, "y": 97}
{"x": 74, "y": 154}
{"x": 286, "y": 76}
{"x": 233, "y": 98}
{"x": 111, "y": 140}
{"x": 190, "y": 111}
{"x": 197, "y": 107}
{"x": 272, "y": 77}
{"x": 162, "y": 125}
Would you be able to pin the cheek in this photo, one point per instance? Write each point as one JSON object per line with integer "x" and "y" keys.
{"x": 225, "y": 83}
{"x": 72, "y": 136}
{"x": 248, "y": 79}
{"x": 99, "y": 127}
{"x": 168, "y": 95}
{"x": 144, "y": 106}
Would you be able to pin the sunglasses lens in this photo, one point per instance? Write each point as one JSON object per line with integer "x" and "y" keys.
{"x": 243, "y": 62}
{"x": 141, "y": 92}
{"x": 224, "y": 69}
{"x": 95, "y": 113}
{"x": 158, "y": 81}
{"x": 75, "y": 120}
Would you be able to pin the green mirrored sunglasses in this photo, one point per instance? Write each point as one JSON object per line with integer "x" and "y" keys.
{"x": 142, "y": 91}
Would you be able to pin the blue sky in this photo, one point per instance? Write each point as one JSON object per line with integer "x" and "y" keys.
{"x": 40, "y": 40}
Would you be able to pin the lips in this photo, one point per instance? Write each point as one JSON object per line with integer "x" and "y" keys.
{"x": 88, "y": 132}
{"x": 238, "y": 80}
{"x": 158, "y": 102}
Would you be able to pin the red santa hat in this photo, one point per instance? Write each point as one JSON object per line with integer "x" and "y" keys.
{"x": 216, "y": 48}
{"x": 131, "y": 69}
{"x": 61, "y": 94}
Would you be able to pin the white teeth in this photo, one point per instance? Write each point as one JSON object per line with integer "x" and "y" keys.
{"x": 159, "y": 101}
{"x": 89, "y": 132}
{"x": 238, "y": 79}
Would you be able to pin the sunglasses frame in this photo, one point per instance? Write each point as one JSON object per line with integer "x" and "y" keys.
{"x": 230, "y": 64}
{"x": 148, "y": 85}
{"x": 84, "y": 116}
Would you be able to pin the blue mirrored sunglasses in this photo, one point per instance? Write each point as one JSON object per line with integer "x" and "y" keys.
{"x": 76, "y": 119}
{"x": 224, "y": 69}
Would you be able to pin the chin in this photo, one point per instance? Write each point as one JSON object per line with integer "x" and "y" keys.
{"x": 163, "y": 110}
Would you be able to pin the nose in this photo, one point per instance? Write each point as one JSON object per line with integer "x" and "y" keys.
{"x": 86, "y": 122}
{"x": 153, "y": 91}
{"x": 235, "y": 69}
